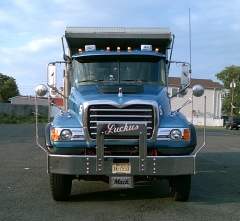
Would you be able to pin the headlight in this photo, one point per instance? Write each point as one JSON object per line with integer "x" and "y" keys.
{"x": 175, "y": 134}
{"x": 66, "y": 135}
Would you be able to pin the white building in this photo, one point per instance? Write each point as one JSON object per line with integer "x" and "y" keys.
{"x": 194, "y": 111}
{"x": 30, "y": 100}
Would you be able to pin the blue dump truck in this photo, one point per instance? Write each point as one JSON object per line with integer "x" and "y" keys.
{"x": 117, "y": 125}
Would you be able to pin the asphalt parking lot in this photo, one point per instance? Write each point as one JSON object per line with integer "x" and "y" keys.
{"x": 25, "y": 191}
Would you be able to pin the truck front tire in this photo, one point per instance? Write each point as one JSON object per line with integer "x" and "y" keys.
{"x": 180, "y": 187}
{"x": 61, "y": 186}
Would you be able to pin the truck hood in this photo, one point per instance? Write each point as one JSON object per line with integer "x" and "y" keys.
{"x": 98, "y": 92}
{"x": 131, "y": 94}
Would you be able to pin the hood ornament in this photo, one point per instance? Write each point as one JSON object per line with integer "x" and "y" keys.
{"x": 120, "y": 92}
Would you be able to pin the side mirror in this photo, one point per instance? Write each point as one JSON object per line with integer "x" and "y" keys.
{"x": 198, "y": 90}
{"x": 183, "y": 90}
{"x": 41, "y": 90}
{"x": 51, "y": 75}
{"x": 66, "y": 58}
{"x": 185, "y": 77}
{"x": 184, "y": 74}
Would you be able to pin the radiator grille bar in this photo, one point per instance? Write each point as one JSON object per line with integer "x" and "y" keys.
{"x": 131, "y": 114}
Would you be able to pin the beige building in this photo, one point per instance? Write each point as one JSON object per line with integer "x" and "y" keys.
{"x": 29, "y": 100}
{"x": 194, "y": 111}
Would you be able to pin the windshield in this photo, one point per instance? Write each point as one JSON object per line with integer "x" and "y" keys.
{"x": 119, "y": 69}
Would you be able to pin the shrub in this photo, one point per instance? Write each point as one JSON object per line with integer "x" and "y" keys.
{"x": 17, "y": 119}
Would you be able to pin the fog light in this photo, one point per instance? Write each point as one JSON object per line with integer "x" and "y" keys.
{"x": 175, "y": 134}
{"x": 66, "y": 135}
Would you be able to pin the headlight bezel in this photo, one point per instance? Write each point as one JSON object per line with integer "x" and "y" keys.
{"x": 175, "y": 134}
{"x": 65, "y": 135}
{"x": 164, "y": 134}
{"x": 74, "y": 134}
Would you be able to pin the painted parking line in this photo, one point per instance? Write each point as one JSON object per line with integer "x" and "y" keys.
{"x": 216, "y": 161}
{"x": 233, "y": 148}
{"x": 211, "y": 171}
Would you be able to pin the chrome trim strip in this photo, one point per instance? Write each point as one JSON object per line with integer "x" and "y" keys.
{"x": 77, "y": 134}
{"x": 123, "y": 110}
{"x": 164, "y": 134}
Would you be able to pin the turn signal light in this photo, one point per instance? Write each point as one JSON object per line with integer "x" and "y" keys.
{"x": 129, "y": 49}
{"x": 118, "y": 49}
{"x": 54, "y": 134}
{"x": 108, "y": 49}
{"x": 186, "y": 134}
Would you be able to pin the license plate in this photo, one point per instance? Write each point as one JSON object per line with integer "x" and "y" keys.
{"x": 121, "y": 168}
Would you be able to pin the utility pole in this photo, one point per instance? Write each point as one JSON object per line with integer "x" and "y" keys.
{"x": 232, "y": 85}
{"x": 192, "y": 110}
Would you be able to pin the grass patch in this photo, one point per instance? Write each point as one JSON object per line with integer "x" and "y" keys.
{"x": 210, "y": 127}
{"x": 14, "y": 119}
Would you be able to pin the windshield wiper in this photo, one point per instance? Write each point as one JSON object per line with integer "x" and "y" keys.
{"x": 137, "y": 80}
{"x": 95, "y": 80}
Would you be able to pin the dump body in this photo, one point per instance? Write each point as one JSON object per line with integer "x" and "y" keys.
{"x": 78, "y": 37}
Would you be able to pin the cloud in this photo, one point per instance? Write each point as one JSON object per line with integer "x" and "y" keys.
{"x": 26, "y": 6}
{"x": 31, "y": 31}
{"x": 36, "y": 47}
{"x": 58, "y": 24}
{"x": 38, "y": 44}
{"x": 235, "y": 26}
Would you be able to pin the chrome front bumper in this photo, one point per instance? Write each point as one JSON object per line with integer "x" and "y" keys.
{"x": 101, "y": 164}
{"x": 152, "y": 166}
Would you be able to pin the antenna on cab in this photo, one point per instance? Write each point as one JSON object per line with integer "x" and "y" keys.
{"x": 190, "y": 42}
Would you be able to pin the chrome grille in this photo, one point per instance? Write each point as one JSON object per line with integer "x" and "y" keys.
{"x": 108, "y": 113}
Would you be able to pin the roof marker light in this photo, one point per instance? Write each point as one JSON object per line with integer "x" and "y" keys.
{"x": 156, "y": 50}
{"x": 129, "y": 49}
{"x": 146, "y": 47}
{"x": 90, "y": 47}
{"x": 118, "y": 49}
{"x": 80, "y": 50}
{"x": 108, "y": 49}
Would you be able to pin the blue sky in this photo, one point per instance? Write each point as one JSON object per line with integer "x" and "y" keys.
{"x": 30, "y": 33}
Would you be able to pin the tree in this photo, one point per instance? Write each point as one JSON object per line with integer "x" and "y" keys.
{"x": 230, "y": 77}
{"x": 8, "y": 87}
